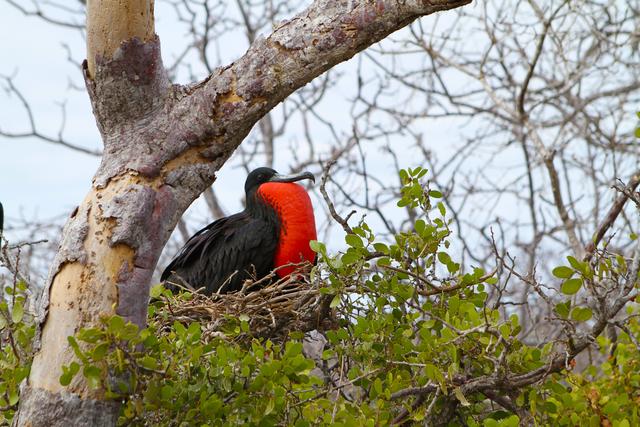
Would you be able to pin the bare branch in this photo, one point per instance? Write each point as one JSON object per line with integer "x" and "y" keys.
{"x": 611, "y": 216}
{"x": 34, "y": 132}
{"x": 41, "y": 14}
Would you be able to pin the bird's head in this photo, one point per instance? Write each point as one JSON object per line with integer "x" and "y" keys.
{"x": 263, "y": 175}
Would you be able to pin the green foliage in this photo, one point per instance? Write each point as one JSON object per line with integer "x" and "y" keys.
{"x": 16, "y": 334}
{"x": 177, "y": 375}
{"x": 607, "y": 393}
{"x": 417, "y": 330}
{"x": 410, "y": 317}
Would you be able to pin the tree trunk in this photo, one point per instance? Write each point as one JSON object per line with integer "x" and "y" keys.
{"x": 163, "y": 144}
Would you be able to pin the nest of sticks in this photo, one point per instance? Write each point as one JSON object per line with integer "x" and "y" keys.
{"x": 272, "y": 309}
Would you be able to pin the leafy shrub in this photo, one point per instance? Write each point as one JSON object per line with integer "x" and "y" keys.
{"x": 16, "y": 334}
{"x": 419, "y": 338}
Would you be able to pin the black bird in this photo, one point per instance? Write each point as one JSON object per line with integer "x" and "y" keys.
{"x": 274, "y": 230}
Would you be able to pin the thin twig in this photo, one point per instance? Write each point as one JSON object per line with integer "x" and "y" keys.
{"x": 340, "y": 220}
{"x": 613, "y": 213}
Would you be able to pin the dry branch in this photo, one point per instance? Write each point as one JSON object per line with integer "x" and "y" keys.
{"x": 291, "y": 304}
{"x": 613, "y": 213}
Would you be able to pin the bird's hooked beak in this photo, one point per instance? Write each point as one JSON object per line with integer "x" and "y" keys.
{"x": 292, "y": 178}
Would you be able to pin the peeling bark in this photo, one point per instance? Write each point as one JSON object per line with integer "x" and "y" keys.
{"x": 162, "y": 147}
{"x": 109, "y": 22}
{"x": 66, "y": 409}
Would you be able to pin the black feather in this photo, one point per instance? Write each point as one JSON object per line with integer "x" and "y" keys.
{"x": 225, "y": 253}
{"x": 238, "y": 245}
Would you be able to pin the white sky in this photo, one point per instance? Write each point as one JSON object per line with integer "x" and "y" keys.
{"x": 38, "y": 179}
{"x": 42, "y": 180}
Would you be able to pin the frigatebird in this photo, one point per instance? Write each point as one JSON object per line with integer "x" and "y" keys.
{"x": 273, "y": 231}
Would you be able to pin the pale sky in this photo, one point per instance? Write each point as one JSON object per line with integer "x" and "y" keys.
{"x": 42, "y": 180}
{"x": 39, "y": 180}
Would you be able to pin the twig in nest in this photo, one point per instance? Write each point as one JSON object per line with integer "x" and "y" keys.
{"x": 287, "y": 305}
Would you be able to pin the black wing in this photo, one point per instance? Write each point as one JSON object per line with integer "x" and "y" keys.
{"x": 238, "y": 245}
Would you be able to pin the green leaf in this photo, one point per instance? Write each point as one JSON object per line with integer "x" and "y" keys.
{"x": 244, "y": 327}
{"x": 335, "y": 301}
{"x": 381, "y": 247}
{"x": 403, "y": 202}
{"x": 271, "y": 404}
{"x": 505, "y": 330}
{"x": 149, "y": 362}
{"x": 292, "y": 348}
{"x": 384, "y": 261}
{"x": 444, "y": 258}
{"x": 92, "y": 374}
{"x": 512, "y": 421}
{"x": 621, "y": 262}
{"x": 571, "y": 286}
{"x": 318, "y": 247}
{"x": 377, "y": 386}
{"x": 578, "y": 265}
{"x": 347, "y": 259}
{"x": 404, "y": 176}
{"x": 454, "y": 303}
{"x": 13, "y": 396}
{"x": 65, "y": 379}
{"x": 563, "y": 309}
{"x": 76, "y": 348}
{"x": 166, "y": 392}
{"x": 90, "y": 335}
{"x": 18, "y": 312}
{"x": 581, "y": 314}
{"x": 100, "y": 351}
{"x": 353, "y": 241}
{"x": 68, "y": 373}
{"x": 116, "y": 324}
{"x": 156, "y": 290}
{"x": 460, "y": 396}
{"x": 562, "y": 272}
